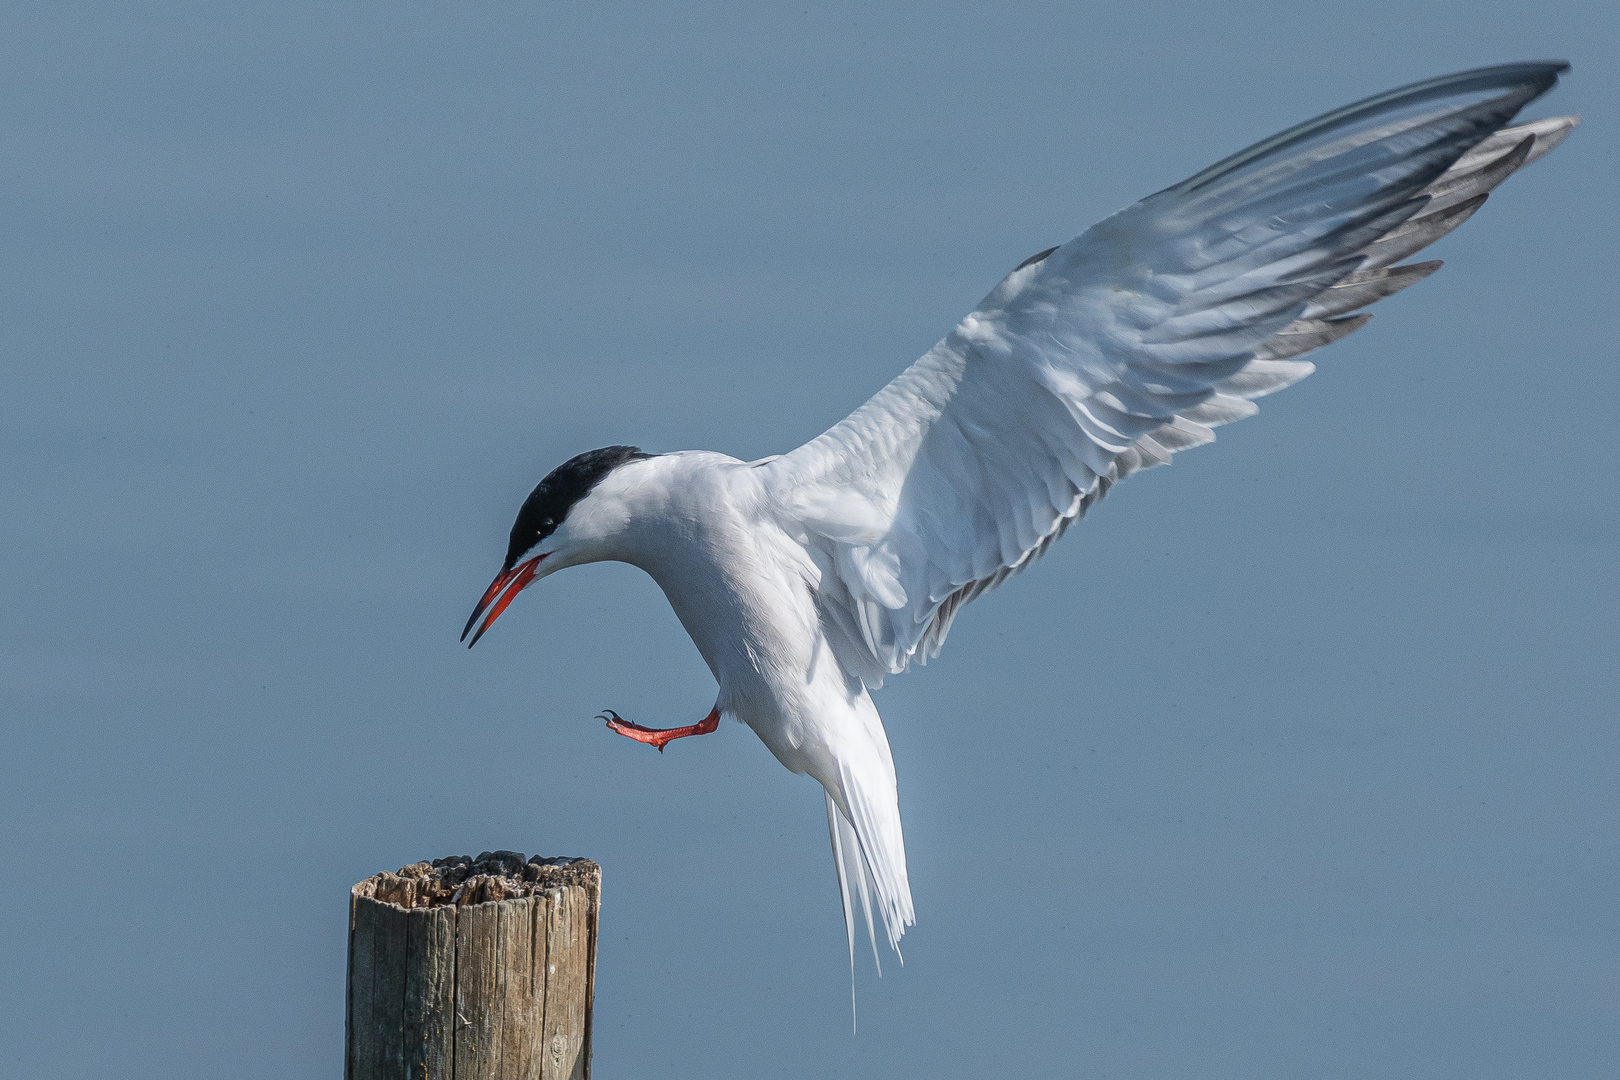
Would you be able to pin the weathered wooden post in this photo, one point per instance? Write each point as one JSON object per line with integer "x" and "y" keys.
{"x": 473, "y": 968}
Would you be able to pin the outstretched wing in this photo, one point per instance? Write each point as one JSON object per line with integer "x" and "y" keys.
{"x": 1129, "y": 343}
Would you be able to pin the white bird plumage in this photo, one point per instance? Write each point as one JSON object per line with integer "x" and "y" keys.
{"x": 805, "y": 579}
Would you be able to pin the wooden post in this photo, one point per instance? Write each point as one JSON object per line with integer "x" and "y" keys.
{"x": 473, "y": 968}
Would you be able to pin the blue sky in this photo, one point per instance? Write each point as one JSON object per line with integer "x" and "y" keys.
{"x": 1295, "y": 759}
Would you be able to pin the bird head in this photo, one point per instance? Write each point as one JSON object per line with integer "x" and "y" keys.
{"x": 558, "y": 525}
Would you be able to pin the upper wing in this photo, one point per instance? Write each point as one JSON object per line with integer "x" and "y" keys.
{"x": 1130, "y": 342}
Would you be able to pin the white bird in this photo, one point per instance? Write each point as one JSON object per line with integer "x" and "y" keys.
{"x": 806, "y": 578}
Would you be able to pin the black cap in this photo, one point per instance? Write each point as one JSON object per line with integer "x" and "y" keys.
{"x": 548, "y": 505}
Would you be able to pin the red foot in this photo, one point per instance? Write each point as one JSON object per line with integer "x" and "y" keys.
{"x": 658, "y": 736}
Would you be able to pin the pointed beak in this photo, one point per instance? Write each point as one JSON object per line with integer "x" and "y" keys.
{"x": 506, "y": 586}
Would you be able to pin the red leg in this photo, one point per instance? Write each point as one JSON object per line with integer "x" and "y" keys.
{"x": 659, "y": 736}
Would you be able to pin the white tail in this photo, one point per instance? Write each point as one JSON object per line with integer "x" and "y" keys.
{"x": 869, "y": 852}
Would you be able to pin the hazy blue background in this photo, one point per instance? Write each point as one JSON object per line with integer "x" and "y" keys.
{"x": 1295, "y": 760}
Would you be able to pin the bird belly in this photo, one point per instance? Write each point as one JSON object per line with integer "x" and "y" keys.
{"x": 761, "y": 637}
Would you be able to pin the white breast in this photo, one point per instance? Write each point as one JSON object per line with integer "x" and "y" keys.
{"x": 738, "y": 584}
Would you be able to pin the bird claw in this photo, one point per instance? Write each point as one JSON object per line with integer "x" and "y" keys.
{"x": 619, "y": 725}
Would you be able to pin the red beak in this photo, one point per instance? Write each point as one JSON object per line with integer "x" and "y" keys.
{"x": 507, "y": 584}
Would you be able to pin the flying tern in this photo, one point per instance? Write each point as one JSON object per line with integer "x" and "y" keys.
{"x": 806, "y": 578}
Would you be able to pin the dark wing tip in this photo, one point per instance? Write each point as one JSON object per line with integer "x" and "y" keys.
{"x": 1522, "y": 83}
{"x": 1039, "y": 256}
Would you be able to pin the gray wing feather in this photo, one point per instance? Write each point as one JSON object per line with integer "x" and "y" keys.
{"x": 1128, "y": 344}
{"x": 1452, "y": 199}
{"x": 1365, "y": 287}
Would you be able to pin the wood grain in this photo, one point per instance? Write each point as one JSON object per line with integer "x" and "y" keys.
{"x": 524, "y": 1010}
{"x": 473, "y": 968}
{"x": 430, "y": 956}
{"x": 564, "y": 1031}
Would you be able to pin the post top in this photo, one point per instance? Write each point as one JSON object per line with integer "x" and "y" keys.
{"x": 460, "y": 880}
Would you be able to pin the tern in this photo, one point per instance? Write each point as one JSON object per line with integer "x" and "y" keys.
{"x": 806, "y": 578}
